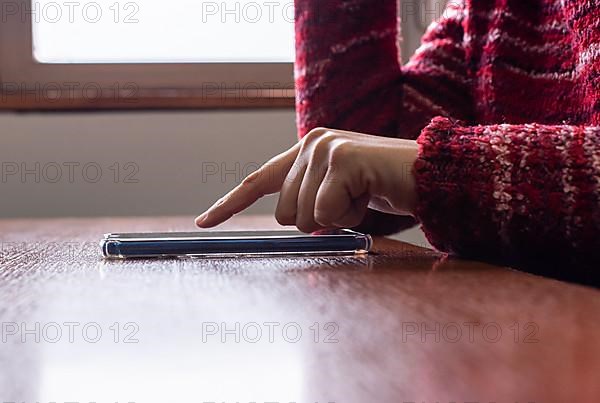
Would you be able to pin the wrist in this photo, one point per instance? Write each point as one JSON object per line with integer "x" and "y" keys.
{"x": 411, "y": 155}
{"x": 398, "y": 193}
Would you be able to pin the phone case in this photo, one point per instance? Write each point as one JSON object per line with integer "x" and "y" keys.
{"x": 222, "y": 244}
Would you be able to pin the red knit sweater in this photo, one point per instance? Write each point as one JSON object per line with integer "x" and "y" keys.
{"x": 504, "y": 98}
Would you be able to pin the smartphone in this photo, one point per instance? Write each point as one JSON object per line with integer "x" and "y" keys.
{"x": 253, "y": 243}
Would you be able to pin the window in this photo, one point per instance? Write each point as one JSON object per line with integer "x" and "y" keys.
{"x": 150, "y": 53}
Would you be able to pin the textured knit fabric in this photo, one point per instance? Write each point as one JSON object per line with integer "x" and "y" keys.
{"x": 504, "y": 97}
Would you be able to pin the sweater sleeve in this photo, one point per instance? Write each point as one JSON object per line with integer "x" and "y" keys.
{"x": 511, "y": 193}
{"x": 348, "y": 75}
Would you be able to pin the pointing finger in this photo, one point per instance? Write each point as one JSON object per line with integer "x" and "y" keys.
{"x": 266, "y": 180}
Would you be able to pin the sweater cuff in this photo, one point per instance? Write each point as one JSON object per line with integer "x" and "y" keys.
{"x": 453, "y": 187}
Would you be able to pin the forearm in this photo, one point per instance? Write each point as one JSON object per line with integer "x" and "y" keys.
{"x": 437, "y": 81}
{"x": 519, "y": 193}
{"x": 347, "y": 69}
{"x": 348, "y": 74}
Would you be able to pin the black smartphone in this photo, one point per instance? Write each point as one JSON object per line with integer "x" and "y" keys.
{"x": 257, "y": 243}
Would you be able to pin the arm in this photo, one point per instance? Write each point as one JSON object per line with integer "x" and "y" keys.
{"x": 520, "y": 194}
{"x": 347, "y": 70}
{"x": 348, "y": 76}
{"x": 515, "y": 193}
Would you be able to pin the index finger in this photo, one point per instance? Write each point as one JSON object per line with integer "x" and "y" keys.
{"x": 266, "y": 180}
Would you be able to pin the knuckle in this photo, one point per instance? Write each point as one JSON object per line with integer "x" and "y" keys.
{"x": 325, "y": 140}
{"x": 320, "y": 138}
{"x": 253, "y": 177}
{"x": 319, "y": 141}
{"x": 341, "y": 151}
{"x": 222, "y": 200}
{"x": 315, "y": 133}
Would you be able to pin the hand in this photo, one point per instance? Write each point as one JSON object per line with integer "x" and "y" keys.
{"x": 328, "y": 180}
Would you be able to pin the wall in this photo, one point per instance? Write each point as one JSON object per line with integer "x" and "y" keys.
{"x": 179, "y": 162}
{"x": 50, "y": 163}
{"x": 182, "y": 161}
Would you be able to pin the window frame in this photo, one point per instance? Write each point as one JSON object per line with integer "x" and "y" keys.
{"x": 26, "y": 84}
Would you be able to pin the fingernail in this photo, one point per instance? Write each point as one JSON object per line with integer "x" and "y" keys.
{"x": 201, "y": 218}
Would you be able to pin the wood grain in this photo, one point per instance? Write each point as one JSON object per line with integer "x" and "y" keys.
{"x": 400, "y": 325}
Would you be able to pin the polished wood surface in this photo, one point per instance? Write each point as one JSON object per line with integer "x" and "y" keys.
{"x": 400, "y": 325}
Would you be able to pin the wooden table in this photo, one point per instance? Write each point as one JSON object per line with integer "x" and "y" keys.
{"x": 401, "y": 325}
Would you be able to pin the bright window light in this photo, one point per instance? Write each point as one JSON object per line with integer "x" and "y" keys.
{"x": 159, "y": 31}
